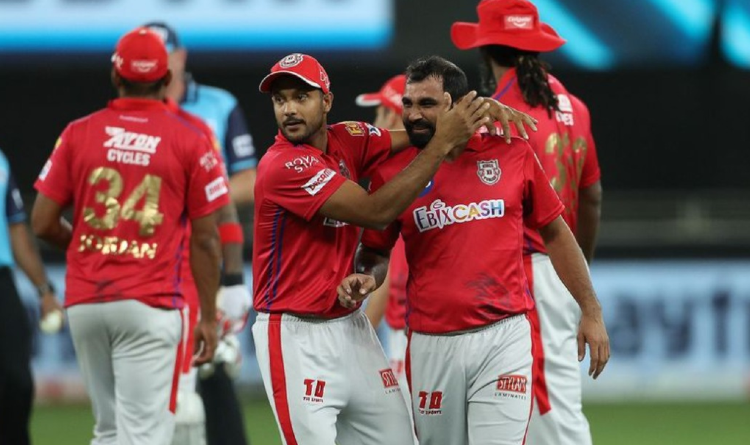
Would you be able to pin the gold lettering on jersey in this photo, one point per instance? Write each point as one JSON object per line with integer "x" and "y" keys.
{"x": 107, "y": 197}
{"x": 569, "y": 165}
{"x": 148, "y": 191}
{"x": 148, "y": 217}
{"x": 112, "y": 245}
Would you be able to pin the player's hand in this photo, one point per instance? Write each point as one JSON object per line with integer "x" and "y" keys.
{"x": 233, "y": 304}
{"x": 205, "y": 341}
{"x": 592, "y": 331}
{"x": 505, "y": 115}
{"x": 48, "y": 304}
{"x": 458, "y": 121}
{"x": 355, "y": 288}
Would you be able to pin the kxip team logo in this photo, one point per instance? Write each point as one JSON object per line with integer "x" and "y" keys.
{"x": 291, "y": 60}
{"x": 488, "y": 171}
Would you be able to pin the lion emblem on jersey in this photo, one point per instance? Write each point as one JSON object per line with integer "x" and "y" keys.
{"x": 488, "y": 171}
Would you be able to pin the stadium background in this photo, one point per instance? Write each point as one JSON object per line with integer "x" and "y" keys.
{"x": 668, "y": 88}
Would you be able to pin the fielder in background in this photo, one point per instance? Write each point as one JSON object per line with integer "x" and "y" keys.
{"x": 469, "y": 357}
{"x": 510, "y": 37}
{"x": 136, "y": 175}
{"x": 17, "y": 246}
{"x": 222, "y": 418}
{"x": 323, "y": 368}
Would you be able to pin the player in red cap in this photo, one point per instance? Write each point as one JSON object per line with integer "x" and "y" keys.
{"x": 136, "y": 175}
{"x": 469, "y": 357}
{"x": 323, "y": 368}
{"x": 510, "y": 37}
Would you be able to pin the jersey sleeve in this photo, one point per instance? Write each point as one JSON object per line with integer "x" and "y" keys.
{"x": 300, "y": 188}
{"x": 591, "y": 172}
{"x": 381, "y": 240}
{"x": 54, "y": 180}
{"x": 208, "y": 187}
{"x": 239, "y": 148}
{"x": 373, "y": 145}
{"x": 541, "y": 205}
{"x": 14, "y": 211}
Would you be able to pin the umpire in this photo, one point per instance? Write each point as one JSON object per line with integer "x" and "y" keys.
{"x": 16, "y": 245}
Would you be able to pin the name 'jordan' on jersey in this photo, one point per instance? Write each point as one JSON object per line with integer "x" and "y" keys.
{"x": 564, "y": 145}
{"x": 136, "y": 173}
{"x": 299, "y": 257}
{"x": 464, "y": 234}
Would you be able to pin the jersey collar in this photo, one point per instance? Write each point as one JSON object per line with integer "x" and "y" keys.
{"x": 129, "y": 103}
{"x": 475, "y": 143}
{"x": 505, "y": 83}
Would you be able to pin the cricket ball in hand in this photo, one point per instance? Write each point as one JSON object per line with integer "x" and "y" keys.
{"x": 52, "y": 323}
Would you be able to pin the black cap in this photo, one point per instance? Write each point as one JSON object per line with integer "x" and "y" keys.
{"x": 167, "y": 34}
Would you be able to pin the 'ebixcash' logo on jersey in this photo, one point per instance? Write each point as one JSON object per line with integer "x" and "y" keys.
{"x": 440, "y": 215}
{"x": 127, "y": 147}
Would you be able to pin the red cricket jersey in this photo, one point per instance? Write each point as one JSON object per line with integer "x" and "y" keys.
{"x": 189, "y": 290}
{"x": 464, "y": 234}
{"x": 398, "y": 274}
{"x": 563, "y": 144}
{"x": 300, "y": 257}
{"x": 135, "y": 174}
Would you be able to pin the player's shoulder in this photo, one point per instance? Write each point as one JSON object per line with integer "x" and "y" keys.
{"x": 284, "y": 156}
{"x": 352, "y": 129}
{"x": 217, "y": 95}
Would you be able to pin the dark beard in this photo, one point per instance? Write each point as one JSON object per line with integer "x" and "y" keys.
{"x": 419, "y": 140}
{"x": 487, "y": 81}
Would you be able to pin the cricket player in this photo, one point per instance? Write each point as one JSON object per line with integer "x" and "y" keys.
{"x": 136, "y": 175}
{"x": 17, "y": 248}
{"x": 222, "y": 420}
{"x": 323, "y": 368}
{"x": 566, "y": 150}
{"x": 469, "y": 357}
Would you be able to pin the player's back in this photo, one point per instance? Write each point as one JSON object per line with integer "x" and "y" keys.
{"x": 133, "y": 173}
{"x": 564, "y": 146}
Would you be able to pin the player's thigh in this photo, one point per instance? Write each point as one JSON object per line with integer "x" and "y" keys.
{"x": 376, "y": 398}
{"x": 144, "y": 357}
{"x": 90, "y": 335}
{"x": 300, "y": 365}
{"x": 436, "y": 367}
{"x": 500, "y": 395}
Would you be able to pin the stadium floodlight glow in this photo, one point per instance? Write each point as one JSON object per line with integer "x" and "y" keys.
{"x": 735, "y": 39}
{"x": 583, "y": 47}
{"x": 693, "y": 17}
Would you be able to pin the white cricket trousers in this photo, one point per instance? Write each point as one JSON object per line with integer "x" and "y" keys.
{"x": 557, "y": 418}
{"x": 397, "y": 344}
{"x": 472, "y": 387}
{"x": 329, "y": 382}
{"x": 128, "y": 354}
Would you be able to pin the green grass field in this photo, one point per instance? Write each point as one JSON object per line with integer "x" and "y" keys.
{"x": 631, "y": 424}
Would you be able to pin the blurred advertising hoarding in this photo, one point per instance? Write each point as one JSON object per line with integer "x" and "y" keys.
{"x": 54, "y": 26}
{"x": 678, "y": 330}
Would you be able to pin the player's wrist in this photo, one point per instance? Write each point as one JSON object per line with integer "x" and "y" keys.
{"x": 232, "y": 279}
{"x": 45, "y": 289}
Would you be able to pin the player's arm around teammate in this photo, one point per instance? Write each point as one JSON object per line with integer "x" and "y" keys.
{"x": 352, "y": 204}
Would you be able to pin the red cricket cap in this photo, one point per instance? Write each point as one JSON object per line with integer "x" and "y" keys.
{"x": 302, "y": 66}
{"x": 140, "y": 56}
{"x": 390, "y": 95}
{"x": 513, "y": 23}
